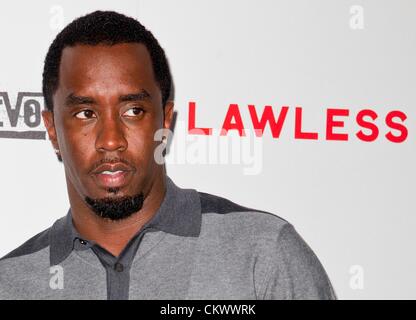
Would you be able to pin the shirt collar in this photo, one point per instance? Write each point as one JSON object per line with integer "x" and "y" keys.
{"x": 179, "y": 214}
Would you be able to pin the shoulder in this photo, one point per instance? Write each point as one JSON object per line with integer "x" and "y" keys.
{"x": 222, "y": 218}
{"x": 27, "y": 257}
{"x": 221, "y": 213}
{"x": 21, "y": 269}
{"x": 34, "y": 244}
{"x": 285, "y": 266}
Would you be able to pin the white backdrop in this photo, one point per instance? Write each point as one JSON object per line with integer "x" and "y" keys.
{"x": 352, "y": 201}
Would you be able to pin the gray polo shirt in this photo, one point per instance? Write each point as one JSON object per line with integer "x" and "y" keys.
{"x": 196, "y": 246}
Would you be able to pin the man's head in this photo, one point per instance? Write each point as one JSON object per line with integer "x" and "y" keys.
{"x": 106, "y": 84}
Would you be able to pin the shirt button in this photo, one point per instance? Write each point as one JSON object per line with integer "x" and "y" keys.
{"x": 118, "y": 267}
{"x": 83, "y": 242}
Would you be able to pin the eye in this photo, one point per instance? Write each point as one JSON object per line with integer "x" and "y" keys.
{"x": 85, "y": 114}
{"x": 134, "y": 112}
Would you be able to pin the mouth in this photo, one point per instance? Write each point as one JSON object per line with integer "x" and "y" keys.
{"x": 112, "y": 176}
{"x": 112, "y": 179}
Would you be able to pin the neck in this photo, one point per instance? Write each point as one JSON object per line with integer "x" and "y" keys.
{"x": 114, "y": 235}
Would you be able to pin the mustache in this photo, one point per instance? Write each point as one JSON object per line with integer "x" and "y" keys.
{"x": 112, "y": 161}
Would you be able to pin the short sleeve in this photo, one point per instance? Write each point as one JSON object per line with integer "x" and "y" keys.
{"x": 295, "y": 271}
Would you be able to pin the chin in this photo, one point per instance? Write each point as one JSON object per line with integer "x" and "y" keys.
{"x": 114, "y": 191}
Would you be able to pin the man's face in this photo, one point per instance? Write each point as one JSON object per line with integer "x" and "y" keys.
{"x": 107, "y": 109}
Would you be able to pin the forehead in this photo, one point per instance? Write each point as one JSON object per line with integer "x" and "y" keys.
{"x": 105, "y": 66}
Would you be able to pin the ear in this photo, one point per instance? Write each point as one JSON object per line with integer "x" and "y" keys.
{"x": 50, "y": 127}
{"x": 168, "y": 111}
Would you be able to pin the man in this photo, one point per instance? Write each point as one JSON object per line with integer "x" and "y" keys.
{"x": 131, "y": 233}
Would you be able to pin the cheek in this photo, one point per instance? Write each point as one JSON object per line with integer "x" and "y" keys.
{"x": 76, "y": 146}
{"x": 141, "y": 146}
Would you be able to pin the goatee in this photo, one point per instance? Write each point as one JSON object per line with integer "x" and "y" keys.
{"x": 116, "y": 208}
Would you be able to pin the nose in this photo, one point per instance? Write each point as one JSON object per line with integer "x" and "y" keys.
{"x": 110, "y": 135}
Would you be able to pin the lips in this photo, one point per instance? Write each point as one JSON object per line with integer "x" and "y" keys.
{"x": 112, "y": 175}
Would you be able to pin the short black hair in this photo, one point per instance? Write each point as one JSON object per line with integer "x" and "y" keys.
{"x": 108, "y": 28}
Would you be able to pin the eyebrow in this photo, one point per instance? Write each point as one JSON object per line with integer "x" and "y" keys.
{"x": 140, "y": 96}
{"x": 73, "y": 99}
